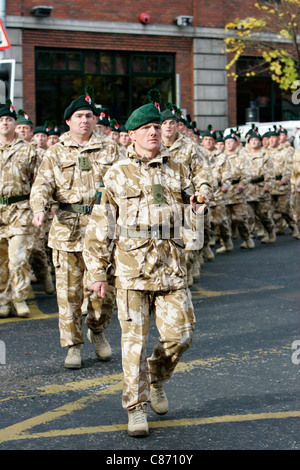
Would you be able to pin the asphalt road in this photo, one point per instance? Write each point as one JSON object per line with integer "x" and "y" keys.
{"x": 237, "y": 387}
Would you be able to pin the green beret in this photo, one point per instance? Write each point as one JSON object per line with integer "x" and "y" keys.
{"x": 232, "y": 135}
{"x": 43, "y": 129}
{"x": 7, "y": 109}
{"x": 84, "y": 102}
{"x": 210, "y": 132}
{"x": 274, "y": 132}
{"x": 254, "y": 134}
{"x": 54, "y": 129}
{"x": 282, "y": 130}
{"x": 23, "y": 118}
{"x": 169, "y": 112}
{"x": 104, "y": 118}
{"x": 115, "y": 127}
{"x": 146, "y": 113}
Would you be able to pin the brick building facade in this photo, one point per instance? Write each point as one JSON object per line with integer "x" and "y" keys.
{"x": 113, "y": 31}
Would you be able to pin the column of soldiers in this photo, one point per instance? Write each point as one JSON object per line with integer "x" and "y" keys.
{"x": 54, "y": 195}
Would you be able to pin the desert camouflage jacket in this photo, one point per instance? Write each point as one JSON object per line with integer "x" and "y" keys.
{"x": 187, "y": 151}
{"x": 17, "y": 164}
{"x": 238, "y": 168}
{"x": 295, "y": 176}
{"x": 71, "y": 174}
{"x": 142, "y": 210}
{"x": 282, "y": 158}
{"x": 261, "y": 174}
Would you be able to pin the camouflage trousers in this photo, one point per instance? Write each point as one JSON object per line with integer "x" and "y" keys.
{"x": 296, "y": 207}
{"x": 15, "y": 268}
{"x": 261, "y": 210}
{"x": 238, "y": 215}
{"x": 39, "y": 258}
{"x": 220, "y": 222}
{"x": 71, "y": 289}
{"x": 174, "y": 318}
{"x": 282, "y": 209}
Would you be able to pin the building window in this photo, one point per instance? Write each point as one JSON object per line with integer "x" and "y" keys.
{"x": 121, "y": 80}
{"x": 263, "y": 93}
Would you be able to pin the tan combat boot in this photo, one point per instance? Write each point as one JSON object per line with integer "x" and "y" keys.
{"x": 270, "y": 238}
{"x": 73, "y": 359}
{"x": 137, "y": 422}
{"x": 101, "y": 345}
{"x": 158, "y": 400}
{"x": 5, "y": 310}
{"x": 47, "y": 284}
{"x": 22, "y": 309}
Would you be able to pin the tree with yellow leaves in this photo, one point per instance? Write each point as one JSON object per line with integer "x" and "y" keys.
{"x": 273, "y": 36}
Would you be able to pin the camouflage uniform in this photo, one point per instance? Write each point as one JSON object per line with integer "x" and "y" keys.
{"x": 261, "y": 174}
{"x": 236, "y": 201}
{"x": 219, "y": 176}
{"x": 148, "y": 262}
{"x": 17, "y": 163}
{"x": 186, "y": 151}
{"x": 72, "y": 175}
{"x": 282, "y": 157}
{"x": 295, "y": 186}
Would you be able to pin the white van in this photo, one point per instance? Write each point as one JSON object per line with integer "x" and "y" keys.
{"x": 265, "y": 126}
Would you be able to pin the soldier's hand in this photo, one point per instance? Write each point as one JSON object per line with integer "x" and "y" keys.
{"x": 99, "y": 287}
{"x": 38, "y": 219}
{"x": 199, "y": 203}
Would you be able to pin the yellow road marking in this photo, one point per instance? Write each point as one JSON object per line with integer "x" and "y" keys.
{"x": 113, "y": 384}
{"x": 211, "y": 293}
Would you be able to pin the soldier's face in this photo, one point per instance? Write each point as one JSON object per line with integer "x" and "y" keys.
{"x": 25, "y": 131}
{"x": 273, "y": 141}
{"x": 255, "y": 143}
{"x": 147, "y": 139}
{"x": 7, "y": 126}
{"x": 169, "y": 128}
{"x": 81, "y": 123}
{"x": 208, "y": 142}
{"x": 230, "y": 144}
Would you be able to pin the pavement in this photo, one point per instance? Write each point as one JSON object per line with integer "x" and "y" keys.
{"x": 236, "y": 388}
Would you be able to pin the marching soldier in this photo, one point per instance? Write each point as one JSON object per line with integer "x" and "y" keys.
{"x": 17, "y": 160}
{"x": 282, "y": 158}
{"x": 261, "y": 180}
{"x": 186, "y": 151}
{"x": 143, "y": 200}
{"x": 236, "y": 194}
{"x": 210, "y": 152}
{"x": 295, "y": 186}
{"x": 72, "y": 171}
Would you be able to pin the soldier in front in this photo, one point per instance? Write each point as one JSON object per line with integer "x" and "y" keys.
{"x": 145, "y": 198}
{"x": 71, "y": 173}
{"x": 17, "y": 163}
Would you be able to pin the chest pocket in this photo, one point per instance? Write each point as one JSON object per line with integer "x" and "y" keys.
{"x": 129, "y": 206}
{"x": 67, "y": 174}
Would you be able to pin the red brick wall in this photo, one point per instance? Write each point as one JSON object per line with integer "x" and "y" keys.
{"x": 36, "y": 38}
{"x": 206, "y": 14}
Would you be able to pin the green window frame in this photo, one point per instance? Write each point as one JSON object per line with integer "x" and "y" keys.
{"x": 121, "y": 79}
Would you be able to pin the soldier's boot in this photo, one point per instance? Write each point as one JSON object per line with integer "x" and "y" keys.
{"x": 207, "y": 253}
{"x": 137, "y": 422}
{"x": 248, "y": 244}
{"x": 196, "y": 271}
{"x": 73, "y": 359}
{"x": 227, "y": 247}
{"x": 295, "y": 232}
{"x": 5, "y": 310}
{"x": 101, "y": 345}
{"x": 270, "y": 238}
{"x": 158, "y": 400}
{"x": 47, "y": 284}
{"x": 22, "y": 309}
